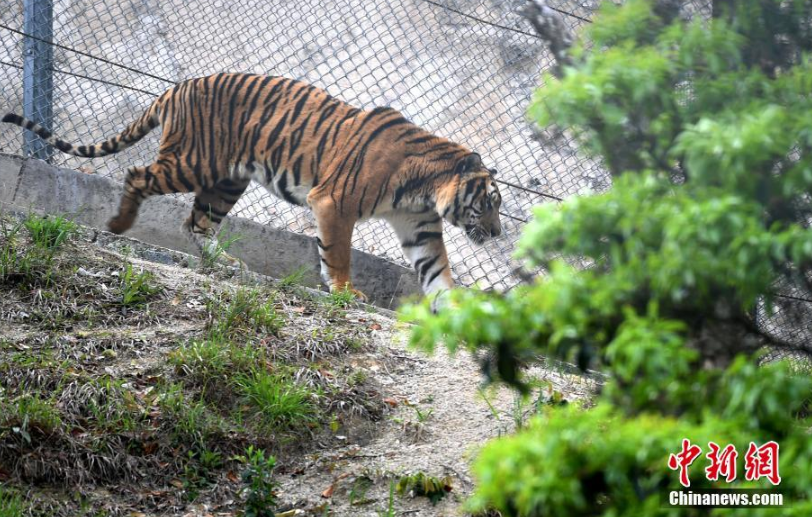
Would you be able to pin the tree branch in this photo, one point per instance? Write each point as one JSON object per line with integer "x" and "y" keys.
{"x": 553, "y": 30}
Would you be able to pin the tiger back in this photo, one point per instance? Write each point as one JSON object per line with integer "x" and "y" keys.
{"x": 310, "y": 149}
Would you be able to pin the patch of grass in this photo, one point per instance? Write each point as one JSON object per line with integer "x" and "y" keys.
{"x": 199, "y": 471}
{"x": 293, "y": 279}
{"x": 486, "y": 398}
{"x": 136, "y": 288}
{"x": 215, "y": 358}
{"x": 9, "y": 255}
{"x": 26, "y": 413}
{"x": 341, "y": 299}
{"x": 113, "y": 407}
{"x": 205, "y": 359}
{"x": 260, "y": 488}
{"x": 217, "y": 248}
{"x": 11, "y": 503}
{"x": 355, "y": 344}
{"x": 32, "y": 264}
{"x": 191, "y": 422}
{"x": 49, "y": 232}
{"x": 357, "y": 378}
{"x": 421, "y": 484}
{"x": 33, "y": 359}
{"x": 247, "y": 311}
{"x": 422, "y": 416}
{"x": 280, "y": 403}
{"x": 358, "y": 491}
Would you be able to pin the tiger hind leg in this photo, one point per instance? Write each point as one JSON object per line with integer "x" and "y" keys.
{"x": 210, "y": 208}
{"x": 159, "y": 178}
{"x": 139, "y": 184}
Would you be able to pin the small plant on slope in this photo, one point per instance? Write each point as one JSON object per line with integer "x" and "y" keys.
{"x": 136, "y": 288}
{"x": 260, "y": 496}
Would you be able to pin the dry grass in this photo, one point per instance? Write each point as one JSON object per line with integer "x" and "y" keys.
{"x": 140, "y": 385}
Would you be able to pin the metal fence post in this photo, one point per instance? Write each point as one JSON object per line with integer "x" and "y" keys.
{"x": 38, "y": 81}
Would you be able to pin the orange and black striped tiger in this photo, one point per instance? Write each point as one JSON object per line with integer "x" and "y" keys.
{"x": 305, "y": 146}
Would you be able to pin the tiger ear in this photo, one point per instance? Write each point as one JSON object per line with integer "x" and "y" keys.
{"x": 493, "y": 172}
{"x": 471, "y": 163}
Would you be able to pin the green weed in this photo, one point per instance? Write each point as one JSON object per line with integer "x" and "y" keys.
{"x": 9, "y": 255}
{"x": 260, "y": 487}
{"x": 216, "y": 249}
{"x": 280, "y": 402}
{"x": 295, "y": 278}
{"x": 191, "y": 422}
{"x": 26, "y": 413}
{"x": 113, "y": 407}
{"x": 246, "y": 311}
{"x": 341, "y": 299}
{"x": 136, "y": 288}
{"x": 390, "y": 508}
{"x": 214, "y": 358}
{"x": 199, "y": 471}
{"x": 355, "y": 344}
{"x": 11, "y": 504}
{"x": 203, "y": 359}
{"x": 35, "y": 263}
{"x": 49, "y": 232}
{"x": 357, "y": 378}
{"x": 422, "y": 416}
{"x": 358, "y": 491}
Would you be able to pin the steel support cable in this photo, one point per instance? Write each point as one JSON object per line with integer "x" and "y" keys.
{"x": 111, "y": 83}
{"x": 81, "y": 53}
{"x": 505, "y": 27}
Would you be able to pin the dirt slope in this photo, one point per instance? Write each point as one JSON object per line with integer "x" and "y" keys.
{"x": 113, "y": 408}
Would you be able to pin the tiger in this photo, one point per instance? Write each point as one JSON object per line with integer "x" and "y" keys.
{"x": 310, "y": 149}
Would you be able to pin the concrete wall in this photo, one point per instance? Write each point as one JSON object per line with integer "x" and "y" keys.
{"x": 468, "y": 78}
{"x": 92, "y": 200}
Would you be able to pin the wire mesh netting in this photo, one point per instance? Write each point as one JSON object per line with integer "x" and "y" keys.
{"x": 463, "y": 69}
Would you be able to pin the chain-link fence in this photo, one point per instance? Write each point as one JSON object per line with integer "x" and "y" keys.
{"x": 464, "y": 69}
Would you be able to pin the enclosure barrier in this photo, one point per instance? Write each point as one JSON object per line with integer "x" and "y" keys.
{"x": 464, "y": 69}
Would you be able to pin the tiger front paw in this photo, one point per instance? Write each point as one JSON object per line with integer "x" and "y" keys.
{"x": 361, "y": 297}
{"x": 441, "y": 301}
{"x": 231, "y": 261}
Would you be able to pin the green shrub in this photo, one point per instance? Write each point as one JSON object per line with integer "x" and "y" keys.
{"x": 704, "y": 126}
{"x": 260, "y": 489}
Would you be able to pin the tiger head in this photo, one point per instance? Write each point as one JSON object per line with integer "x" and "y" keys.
{"x": 474, "y": 207}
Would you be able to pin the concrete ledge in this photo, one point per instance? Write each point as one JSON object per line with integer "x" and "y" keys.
{"x": 28, "y": 184}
